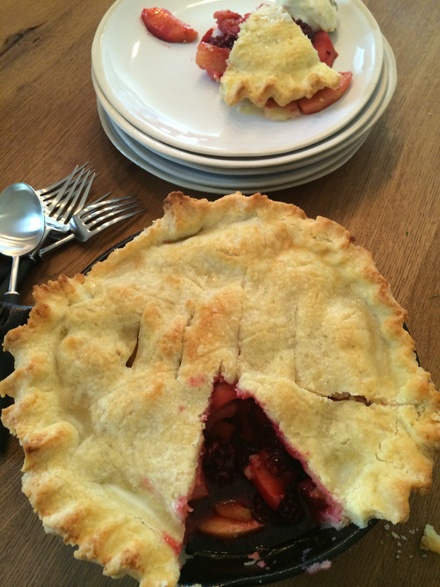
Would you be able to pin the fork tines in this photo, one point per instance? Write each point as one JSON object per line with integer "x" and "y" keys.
{"x": 95, "y": 217}
{"x": 51, "y": 190}
{"x": 104, "y": 213}
{"x": 71, "y": 196}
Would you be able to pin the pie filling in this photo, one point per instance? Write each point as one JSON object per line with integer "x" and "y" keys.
{"x": 249, "y": 479}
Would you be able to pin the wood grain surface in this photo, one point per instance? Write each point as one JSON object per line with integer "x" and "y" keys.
{"x": 387, "y": 195}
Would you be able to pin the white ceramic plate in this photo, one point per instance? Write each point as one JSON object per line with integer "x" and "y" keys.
{"x": 209, "y": 178}
{"x": 160, "y": 90}
{"x": 278, "y": 163}
{"x": 360, "y": 124}
{"x": 210, "y": 183}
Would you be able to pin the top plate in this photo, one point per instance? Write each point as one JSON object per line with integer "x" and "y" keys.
{"x": 159, "y": 89}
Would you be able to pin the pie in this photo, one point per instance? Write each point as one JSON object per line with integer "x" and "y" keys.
{"x": 273, "y": 59}
{"x": 115, "y": 372}
{"x": 276, "y": 60}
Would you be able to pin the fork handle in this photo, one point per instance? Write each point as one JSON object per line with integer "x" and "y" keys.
{"x": 55, "y": 244}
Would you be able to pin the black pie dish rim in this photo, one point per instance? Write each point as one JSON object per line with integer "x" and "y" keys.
{"x": 222, "y": 568}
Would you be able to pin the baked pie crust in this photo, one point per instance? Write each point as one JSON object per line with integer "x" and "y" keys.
{"x": 114, "y": 372}
{"x": 273, "y": 58}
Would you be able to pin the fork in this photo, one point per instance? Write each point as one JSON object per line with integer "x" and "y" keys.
{"x": 95, "y": 217}
{"x": 52, "y": 190}
{"x": 58, "y": 207}
{"x": 62, "y": 202}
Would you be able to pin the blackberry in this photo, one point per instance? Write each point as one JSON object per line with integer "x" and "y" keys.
{"x": 306, "y": 29}
{"x": 225, "y": 40}
{"x": 220, "y": 462}
{"x": 261, "y": 511}
{"x": 278, "y": 460}
{"x": 291, "y": 509}
{"x": 264, "y": 432}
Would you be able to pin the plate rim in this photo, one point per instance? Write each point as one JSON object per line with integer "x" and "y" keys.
{"x": 180, "y": 182}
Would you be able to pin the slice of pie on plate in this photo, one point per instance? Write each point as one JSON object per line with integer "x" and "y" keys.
{"x": 115, "y": 370}
{"x": 272, "y": 58}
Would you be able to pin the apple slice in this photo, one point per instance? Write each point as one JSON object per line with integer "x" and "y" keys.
{"x": 212, "y": 59}
{"x": 233, "y": 510}
{"x": 226, "y": 529}
{"x": 324, "y": 47}
{"x": 222, "y": 394}
{"x": 325, "y": 97}
{"x": 162, "y": 24}
{"x": 272, "y": 488}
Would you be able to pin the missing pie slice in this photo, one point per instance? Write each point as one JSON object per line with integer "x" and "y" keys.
{"x": 117, "y": 378}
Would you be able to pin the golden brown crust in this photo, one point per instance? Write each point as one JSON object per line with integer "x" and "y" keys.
{"x": 114, "y": 372}
{"x": 272, "y": 58}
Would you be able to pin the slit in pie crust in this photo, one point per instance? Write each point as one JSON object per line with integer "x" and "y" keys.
{"x": 114, "y": 373}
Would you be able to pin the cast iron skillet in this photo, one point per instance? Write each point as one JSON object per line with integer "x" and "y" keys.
{"x": 285, "y": 558}
{"x": 282, "y": 552}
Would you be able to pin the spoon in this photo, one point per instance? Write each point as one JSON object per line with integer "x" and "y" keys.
{"x": 22, "y": 227}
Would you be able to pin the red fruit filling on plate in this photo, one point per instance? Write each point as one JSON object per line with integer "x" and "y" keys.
{"x": 216, "y": 44}
{"x": 245, "y": 460}
{"x": 161, "y": 23}
{"x": 326, "y": 96}
{"x": 324, "y": 47}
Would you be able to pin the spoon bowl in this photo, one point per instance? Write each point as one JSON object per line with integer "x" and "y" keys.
{"x": 22, "y": 226}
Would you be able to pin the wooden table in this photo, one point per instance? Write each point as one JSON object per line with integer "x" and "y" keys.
{"x": 387, "y": 195}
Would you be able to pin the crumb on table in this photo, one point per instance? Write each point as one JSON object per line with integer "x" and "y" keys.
{"x": 430, "y": 539}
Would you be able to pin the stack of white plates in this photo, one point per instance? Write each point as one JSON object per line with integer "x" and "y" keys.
{"x": 165, "y": 114}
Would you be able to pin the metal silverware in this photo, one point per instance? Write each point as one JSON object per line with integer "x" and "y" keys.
{"x": 22, "y": 228}
{"x": 95, "y": 217}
